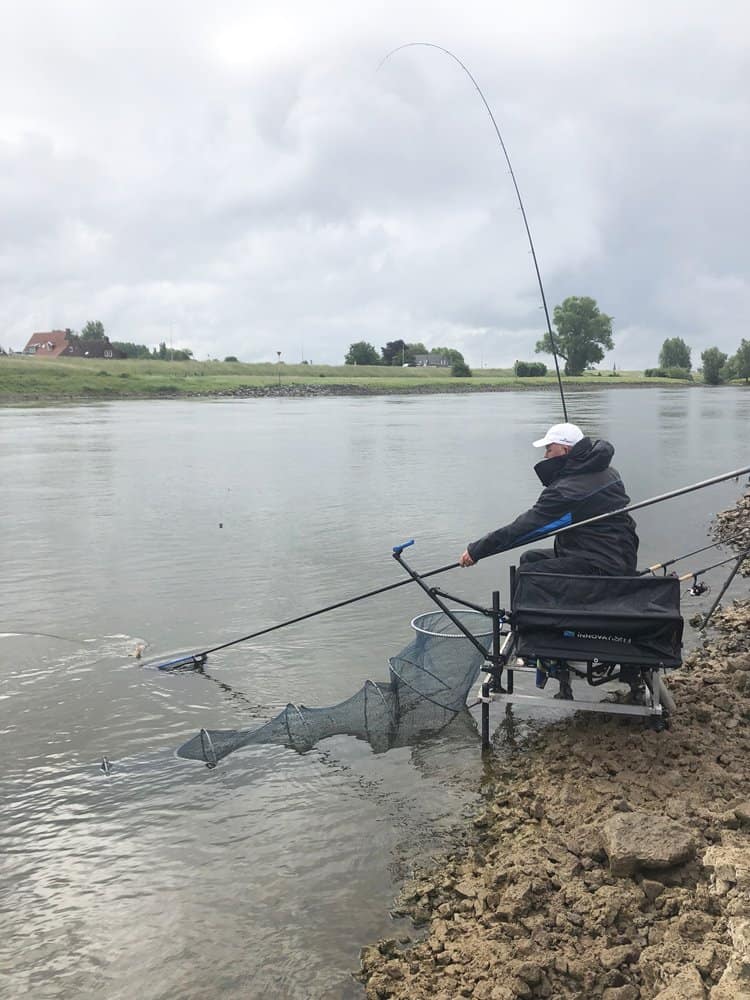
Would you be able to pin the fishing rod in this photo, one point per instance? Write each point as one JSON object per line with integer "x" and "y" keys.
{"x": 698, "y": 589}
{"x": 695, "y": 552}
{"x": 646, "y": 503}
{"x": 740, "y": 558}
{"x": 197, "y": 660}
{"x": 431, "y": 45}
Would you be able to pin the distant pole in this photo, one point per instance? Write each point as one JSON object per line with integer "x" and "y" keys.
{"x": 279, "y": 364}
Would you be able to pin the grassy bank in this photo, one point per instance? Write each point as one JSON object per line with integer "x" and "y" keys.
{"x": 24, "y": 379}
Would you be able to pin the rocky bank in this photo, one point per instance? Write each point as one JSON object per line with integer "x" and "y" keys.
{"x": 610, "y": 861}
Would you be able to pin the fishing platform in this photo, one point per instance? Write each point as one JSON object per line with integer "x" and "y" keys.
{"x": 574, "y": 637}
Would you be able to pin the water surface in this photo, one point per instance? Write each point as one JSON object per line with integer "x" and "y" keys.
{"x": 184, "y": 524}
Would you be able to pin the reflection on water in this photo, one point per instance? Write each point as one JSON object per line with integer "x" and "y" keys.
{"x": 185, "y": 524}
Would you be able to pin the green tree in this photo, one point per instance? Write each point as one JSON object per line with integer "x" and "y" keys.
{"x": 230, "y": 357}
{"x": 394, "y": 352}
{"x": 729, "y": 370}
{"x": 412, "y": 350}
{"x": 675, "y": 353}
{"x": 450, "y": 353}
{"x": 742, "y": 360}
{"x": 93, "y": 330}
{"x": 529, "y": 369}
{"x": 132, "y": 350}
{"x": 171, "y": 354}
{"x": 583, "y": 332}
{"x": 713, "y": 361}
{"x": 362, "y": 353}
{"x": 460, "y": 369}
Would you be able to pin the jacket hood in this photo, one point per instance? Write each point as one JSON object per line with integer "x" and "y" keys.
{"x": 585, "y": 456}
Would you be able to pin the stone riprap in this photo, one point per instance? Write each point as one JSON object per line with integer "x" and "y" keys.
{"x": 610, "y": 861}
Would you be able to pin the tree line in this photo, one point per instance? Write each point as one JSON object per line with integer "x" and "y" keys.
{"x": 398, "y": 353}
{"x": 716, "y": 366}
{"x": 583, "y": 334}
{"x": 94, "y": 330}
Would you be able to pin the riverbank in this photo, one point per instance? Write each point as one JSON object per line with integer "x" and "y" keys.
{"x": 38, "y": 380}
{"x": 610, "y": 861}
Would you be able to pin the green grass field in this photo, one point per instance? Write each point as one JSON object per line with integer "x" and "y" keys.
{"x": 28, "y": 379}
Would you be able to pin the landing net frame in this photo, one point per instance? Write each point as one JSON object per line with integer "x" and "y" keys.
{"x": 427, "y": 622}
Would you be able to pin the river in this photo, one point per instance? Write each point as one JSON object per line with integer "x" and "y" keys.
{"x": 182, "y": 524}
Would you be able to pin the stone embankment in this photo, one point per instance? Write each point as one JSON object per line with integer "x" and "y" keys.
{"x": 299, "y": 390}
{"x": 610, "y": 861}
{"x": 734, "y": 524}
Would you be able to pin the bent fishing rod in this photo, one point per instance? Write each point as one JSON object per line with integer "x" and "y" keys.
{"x": 197, "y": 660}
{"x": 440, "y": 48}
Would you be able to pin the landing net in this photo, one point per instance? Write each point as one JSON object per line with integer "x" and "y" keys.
{"x": 429, "y": 681}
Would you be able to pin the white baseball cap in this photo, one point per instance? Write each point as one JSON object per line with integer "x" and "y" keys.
{"x": 567, "y": 434}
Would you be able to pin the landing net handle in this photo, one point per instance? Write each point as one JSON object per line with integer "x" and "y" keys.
{"x": 495, "y": 661}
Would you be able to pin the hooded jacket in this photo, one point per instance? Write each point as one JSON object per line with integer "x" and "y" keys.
{"x": 579, "y": 485}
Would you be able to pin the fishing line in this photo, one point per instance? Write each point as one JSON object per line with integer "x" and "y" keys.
{"x": 43, "y": 635}
{"x": 431, "y": 45}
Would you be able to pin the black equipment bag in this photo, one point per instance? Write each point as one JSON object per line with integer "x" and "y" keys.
{"x": 617, "y": 619}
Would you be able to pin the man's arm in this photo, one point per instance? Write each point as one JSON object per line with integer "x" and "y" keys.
{"x": 552, "y": 510}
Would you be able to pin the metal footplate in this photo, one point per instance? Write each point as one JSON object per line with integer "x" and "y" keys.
{"x": 659, "y": 701}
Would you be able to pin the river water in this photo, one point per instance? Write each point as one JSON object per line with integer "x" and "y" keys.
{"x": 181, "y": 525}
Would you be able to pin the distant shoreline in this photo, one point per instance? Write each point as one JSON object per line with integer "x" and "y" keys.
{"x": 30, "y": 381}
{"x": 312, "y": 391}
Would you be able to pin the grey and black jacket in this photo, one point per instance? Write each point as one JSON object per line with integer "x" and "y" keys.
{"x": 578, "y": 485}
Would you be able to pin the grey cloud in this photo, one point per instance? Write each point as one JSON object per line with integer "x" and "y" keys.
{"x": 294, "y": 194}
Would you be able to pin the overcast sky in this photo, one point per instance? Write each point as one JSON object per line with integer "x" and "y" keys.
{"x": 243, "y": 179}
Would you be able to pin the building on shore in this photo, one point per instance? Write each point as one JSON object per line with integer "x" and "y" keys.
{"x": 66, "y": 344}
{"x": 432, "y": 360}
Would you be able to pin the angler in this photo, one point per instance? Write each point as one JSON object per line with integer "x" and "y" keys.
{"x": 579, "y": 483}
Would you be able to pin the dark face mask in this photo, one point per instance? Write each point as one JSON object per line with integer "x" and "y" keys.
{"x": 549, "y": 469}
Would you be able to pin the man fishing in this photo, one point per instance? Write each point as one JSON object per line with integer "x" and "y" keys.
{"x": 579, "y": 483}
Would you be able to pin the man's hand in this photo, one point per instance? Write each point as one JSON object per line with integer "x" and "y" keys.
{"x": 466, "y": 559}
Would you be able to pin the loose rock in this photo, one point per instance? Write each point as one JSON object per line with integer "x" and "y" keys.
{"x": 644, "y": 841}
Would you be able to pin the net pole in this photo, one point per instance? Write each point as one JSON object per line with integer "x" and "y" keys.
{"x": 443, "y": 607}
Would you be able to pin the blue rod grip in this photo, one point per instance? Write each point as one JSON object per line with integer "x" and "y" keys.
{"x": 398, "y": 549}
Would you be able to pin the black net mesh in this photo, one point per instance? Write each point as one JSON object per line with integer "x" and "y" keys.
{"x": 429, "y": 681}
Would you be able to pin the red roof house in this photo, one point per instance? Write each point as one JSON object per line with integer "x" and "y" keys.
{"x": 65, "y": 343}
{"x": 47, "y": 345}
